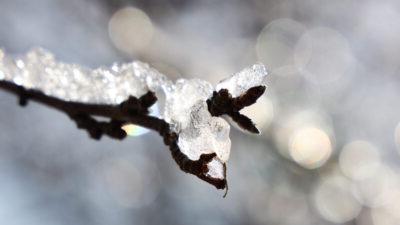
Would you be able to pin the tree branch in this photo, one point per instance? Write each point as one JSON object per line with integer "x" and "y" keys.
{"x": 222, "y": 103}
{"x": 133, "y": 110}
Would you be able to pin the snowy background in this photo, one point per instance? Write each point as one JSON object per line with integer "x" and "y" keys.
{"x": 329, "y": 152}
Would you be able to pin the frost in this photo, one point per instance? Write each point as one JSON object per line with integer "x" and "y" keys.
{"x": 39, "y": 70}
{"x": 180, "y": 99}
{"x": 216, "y": 169}
{"x": 249, "y": 77}
{"x": 185, "y": 107}
{"x": 205, "y": 134}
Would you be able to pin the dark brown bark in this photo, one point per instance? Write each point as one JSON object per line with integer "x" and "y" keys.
{"x": 135, "y": 111}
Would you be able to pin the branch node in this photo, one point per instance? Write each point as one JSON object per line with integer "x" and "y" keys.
{"x": 23, "y": 96}
{"x": 222, "y": 103}
{"x": 148, "y": 99}
{"x": 132, "y": 106}
{"x": 134, "y": 110}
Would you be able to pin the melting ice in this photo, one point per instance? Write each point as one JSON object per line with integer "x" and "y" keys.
{"x": 185, "y": 107}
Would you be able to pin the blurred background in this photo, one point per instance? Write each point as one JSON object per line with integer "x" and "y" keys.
{"x": 329, "y": 151}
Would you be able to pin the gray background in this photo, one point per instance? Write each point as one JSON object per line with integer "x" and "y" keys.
{"x": 334, "y": 66}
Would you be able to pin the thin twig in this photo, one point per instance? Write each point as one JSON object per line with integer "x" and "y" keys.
{"x": 133, "y": 110}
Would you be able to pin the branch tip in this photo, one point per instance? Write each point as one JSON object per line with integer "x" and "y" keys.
{"x": 135, "y": 111}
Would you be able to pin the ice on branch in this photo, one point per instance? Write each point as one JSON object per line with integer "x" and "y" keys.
{"x": 205, "y": 133}
{"x": 238, "y": 83}
{"x": 216, "y": 169}
{"x": 186, "y": 100}
{"x": 39, "y": 70}
{"x": 182, "y": 97}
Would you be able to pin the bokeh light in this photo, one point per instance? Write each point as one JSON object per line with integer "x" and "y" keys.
{"x": 359, "y": 160}
{"x": 123, "y": 182}
{"x": 286, "y": 127}
{"x": 334, "y": 200}
{"x": 392, "y": 207}
{"x": 377, "y": 190}
{"x": 276, "y": 44}
{"x": 322, "y": 55}
{"x": 310, "y": 147}
{"x": 130, "y": 30}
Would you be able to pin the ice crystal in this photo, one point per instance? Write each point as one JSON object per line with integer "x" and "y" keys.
{"x": 216, "y": 169}
{"x": 205, "y": 134}
{"x": 179, "y": 100}
{"x": 39, "y": 70}
{"x": 249, "y": 77}
{"x": 185, "y": 108}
